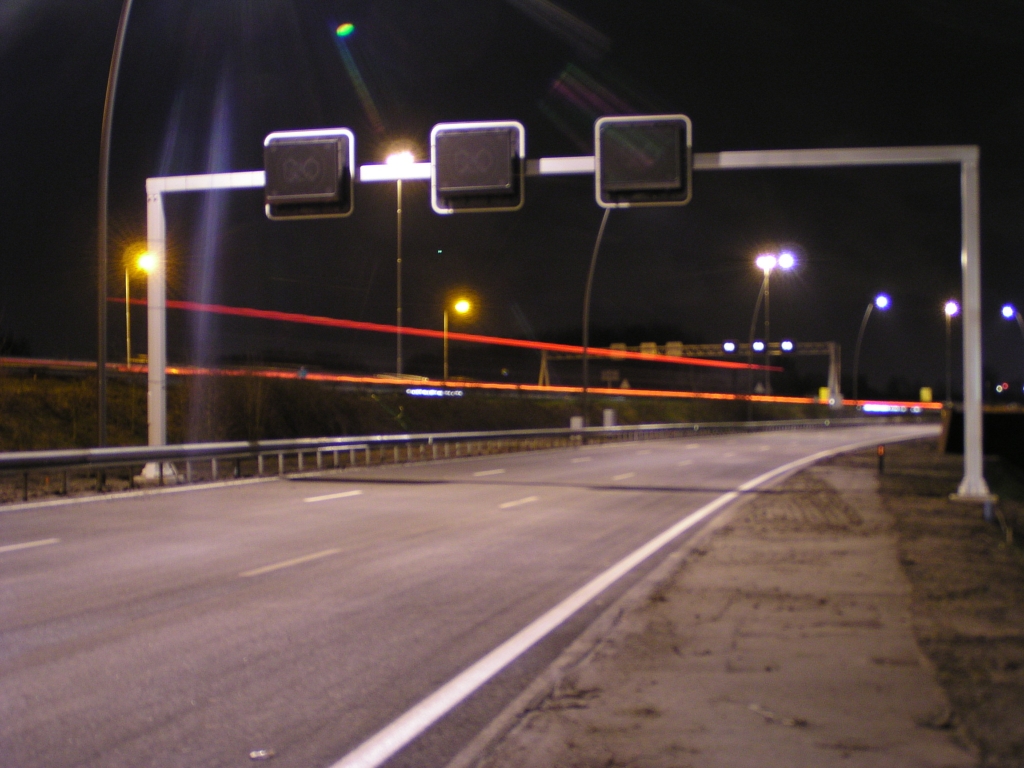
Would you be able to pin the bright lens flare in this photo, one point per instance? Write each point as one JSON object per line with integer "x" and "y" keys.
{"x": 1009, "y": 311}
{"x": 345, "y": 30}
{"x": 882, "y": 301}
{"x": 952, "y": 309}
{"x": 404, "y": 157}
{"x": 462, "y": 306}
{"x": 146, "y": 262}
{"x": 786, "y": 260}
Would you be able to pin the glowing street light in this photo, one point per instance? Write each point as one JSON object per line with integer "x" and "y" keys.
{"x": 402, "y": 158}
{"x": 146, "y": 263}
{"x": 950, "y": 309}
{"x": 461, "y": 307}
{"x": 882, "y": 302}
{"x": 1011, "y": 313}
{"x": 767, "y": 262}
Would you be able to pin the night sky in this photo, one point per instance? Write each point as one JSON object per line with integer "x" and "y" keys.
{"x": 203, "y": 82}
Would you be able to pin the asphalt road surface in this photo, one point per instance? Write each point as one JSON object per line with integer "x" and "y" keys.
{"x": 300, "y": 617}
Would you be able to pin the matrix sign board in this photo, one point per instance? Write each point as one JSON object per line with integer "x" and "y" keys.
{"x": 642, "y": 160}
{"x": 477, "y": 166}
{"x": 309, "y": 173}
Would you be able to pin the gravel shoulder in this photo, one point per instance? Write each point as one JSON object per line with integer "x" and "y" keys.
{"x": 837, "y": 618}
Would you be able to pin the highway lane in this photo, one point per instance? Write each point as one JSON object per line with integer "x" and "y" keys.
{"x": 193, "y": 628}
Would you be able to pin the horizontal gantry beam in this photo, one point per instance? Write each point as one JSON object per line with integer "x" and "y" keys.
{"x": 567, "y": 166}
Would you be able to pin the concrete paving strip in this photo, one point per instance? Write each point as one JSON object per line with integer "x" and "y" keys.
{"x": 518, "y": 502}
{"x": 785, "y": 640}
{"x": 388, "y": 741}
{"x": 288, "y": 563}
{"x": 330, "y": 496}
{"x": 27, "y": 545}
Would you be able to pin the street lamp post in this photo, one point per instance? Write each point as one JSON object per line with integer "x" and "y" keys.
{"x": 144, "y": 263}
{"x": 1010, "y": 313}
{"x": 951, "y": 309}
{"x": 767, "y": 262}
{"x": 461, "y": 306}
{"x": 882, "y": 302}
{"x": 399, "y": 158}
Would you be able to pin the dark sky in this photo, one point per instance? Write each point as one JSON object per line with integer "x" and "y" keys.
{"x": 204, "y": 82}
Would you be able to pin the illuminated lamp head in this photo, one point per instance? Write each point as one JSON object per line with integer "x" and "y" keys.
{"x": 1009, "y": 311}
{"x": 951, "y": 308}
{"x": 882, "y": 301}
{"x": 345, "y": 30}
{"x": 146, "y": 262}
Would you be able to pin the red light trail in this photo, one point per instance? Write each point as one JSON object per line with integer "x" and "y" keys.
{"x": 356, "y": 325}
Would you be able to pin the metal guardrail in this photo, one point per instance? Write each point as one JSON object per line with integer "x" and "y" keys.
{"x": 356, "y": 449}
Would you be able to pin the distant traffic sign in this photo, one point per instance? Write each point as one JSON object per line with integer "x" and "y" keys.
{"x": 309, "y": 173}
{"x": 642, "y": 160}
{"x": 477, "y": 166}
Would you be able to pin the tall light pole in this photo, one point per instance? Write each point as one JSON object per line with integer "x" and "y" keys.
{"x": 144, "y": 263}
{"x": 766, "y": 262}
{"x": 462, "y": 307}
{"x": 882, "y": 302}
{"x": 106, "y": 128}
{"x": 404, "y": 157}
{"x": 951, "y": 309}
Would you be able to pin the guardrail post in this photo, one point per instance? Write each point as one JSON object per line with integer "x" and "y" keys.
{"x": 300, "y": 461}
{"x": 319, "y": 459}
{"x": 188, "y": 471}
{"x": 238, "y": 468}
{"x": 396, "y": 454}
{"x": 280, "y": 463}
{"x": 214, "y": 468}
{"x": 259, "y": 464}
{"x": 367, "y": 455}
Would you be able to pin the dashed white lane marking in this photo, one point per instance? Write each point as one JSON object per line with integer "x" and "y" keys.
{"x": 329, "y": 496}
{"x": 642, "y": 453}
{"x": 624, "y": 476}
{"x": 728, "y": 454}
{"x": 685, "y": 463}
{"x": 288, "y": 563}
{"x": 518, "y": 502}
{"x": 691, "y": 446}
{"x": 27, "y": 545}
{"x": 406, "y": 727}
{"x": 765, "y": 448}
{"x": 581, "y": 459}
{"x": 486, "y": 472}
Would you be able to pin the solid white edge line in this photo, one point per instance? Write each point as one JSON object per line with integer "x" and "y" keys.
{"x": 288, "y": 563}
{"x": 329, "y": 496}
{"x": 121, "y": 495}
{"x": 408, "y": 726}
{"x": 518, "y": 502}
{"x": 28, "y": 545}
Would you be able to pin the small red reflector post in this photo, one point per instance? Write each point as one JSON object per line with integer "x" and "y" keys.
{"x": 881, "y": 459}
